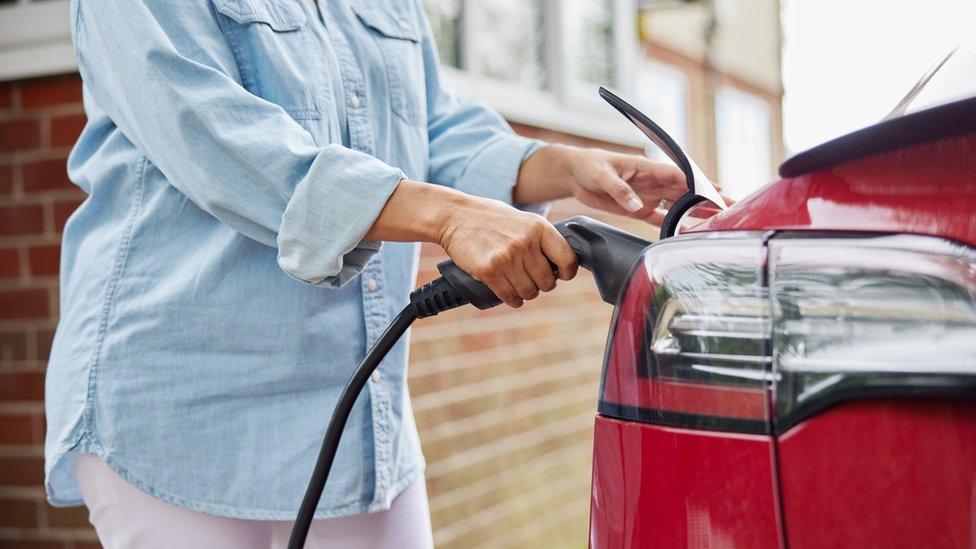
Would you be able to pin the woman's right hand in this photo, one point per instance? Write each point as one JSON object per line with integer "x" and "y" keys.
{"x": 512, "y": 252}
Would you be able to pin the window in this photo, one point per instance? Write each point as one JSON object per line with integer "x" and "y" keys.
{"x": 504, "y": 40}
{"x": 661, "y": 92}
{"x": 540, "y": 62}
{"x": 589, "y": 45}
{"x": 445, "y": 23}
{"x": 743, "y": 132}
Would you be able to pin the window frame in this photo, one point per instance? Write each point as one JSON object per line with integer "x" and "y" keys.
{"x": 35, "y": 39}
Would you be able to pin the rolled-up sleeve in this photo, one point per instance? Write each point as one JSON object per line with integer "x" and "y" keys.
{"x": 167, "y": 78}
{"x": 472, "y": 148}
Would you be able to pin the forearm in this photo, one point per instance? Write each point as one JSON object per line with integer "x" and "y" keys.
{"x": 416, "y": 212}
{"x": 544, "y": 176}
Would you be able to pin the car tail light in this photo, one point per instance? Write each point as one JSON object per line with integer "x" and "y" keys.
{"x": 689, "y": 342}
{"x": 708, "y": 334}
{"x": 862, "y": 317}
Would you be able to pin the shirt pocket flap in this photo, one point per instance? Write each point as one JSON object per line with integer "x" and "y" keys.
{"x": 280, "y": 16}
{"x": 387, "y": 24}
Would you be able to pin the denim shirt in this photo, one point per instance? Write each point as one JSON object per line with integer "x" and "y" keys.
{"x": 216, "y": 287}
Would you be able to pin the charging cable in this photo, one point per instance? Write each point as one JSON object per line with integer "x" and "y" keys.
{"x": 606, "y": 251}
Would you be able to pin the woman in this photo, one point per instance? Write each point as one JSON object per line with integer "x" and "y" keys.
{"x": 245, "y": 159}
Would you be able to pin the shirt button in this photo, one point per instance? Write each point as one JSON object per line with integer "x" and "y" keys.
{"x": 403, "y": 24}
{"x": 375, "y": 376}
{"x": 355, "y": 101}
{"x": 371, "y": 285}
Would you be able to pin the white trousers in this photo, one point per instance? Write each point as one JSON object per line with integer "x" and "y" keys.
{"x": 125, "y": 517}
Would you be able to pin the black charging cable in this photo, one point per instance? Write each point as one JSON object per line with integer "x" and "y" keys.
{"x": 606, "y": 251}
{"x": 453, "y": 289}
{"x": 316, "y": 485}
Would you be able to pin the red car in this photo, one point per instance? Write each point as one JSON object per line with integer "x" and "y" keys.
{"x": 799, "y": 370}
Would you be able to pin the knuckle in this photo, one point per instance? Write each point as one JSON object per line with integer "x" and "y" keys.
{"x": 499, "y": 259}
{"x": 532, "y": 235}
{"x": 524, "y": 289}
{"x": 567, "y": 261}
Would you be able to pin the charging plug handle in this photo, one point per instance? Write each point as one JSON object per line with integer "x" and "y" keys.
{"x": 606, "y": 251}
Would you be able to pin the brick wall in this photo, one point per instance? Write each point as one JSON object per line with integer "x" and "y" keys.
{"x": 39, "y": 120}
{"x": 504, "y": 399}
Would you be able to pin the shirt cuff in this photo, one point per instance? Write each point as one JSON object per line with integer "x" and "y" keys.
{"x": 322, "y": 235}
{"x": 493, "y": 171}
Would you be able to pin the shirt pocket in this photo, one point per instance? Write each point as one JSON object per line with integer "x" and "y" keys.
{"x": 399, "y": 42}
{"x": 276, "y": 54}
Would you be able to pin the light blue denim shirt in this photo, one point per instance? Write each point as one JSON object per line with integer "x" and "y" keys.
{"x": 216, "y": 287}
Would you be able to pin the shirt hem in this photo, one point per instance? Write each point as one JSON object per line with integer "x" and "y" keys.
{"x": 236, "y": 512}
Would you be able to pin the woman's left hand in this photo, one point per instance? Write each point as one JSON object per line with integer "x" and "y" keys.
{"x": 623, "y": 184}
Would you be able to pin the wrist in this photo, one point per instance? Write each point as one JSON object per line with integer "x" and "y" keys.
{"x": 562, "y": 167}
{"x": 415, "y": 212}
{"x": 448, "y": 208}
{"x": 546, "y": 175}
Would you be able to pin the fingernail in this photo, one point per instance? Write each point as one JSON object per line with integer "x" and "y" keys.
{"x": 634, "y": 204}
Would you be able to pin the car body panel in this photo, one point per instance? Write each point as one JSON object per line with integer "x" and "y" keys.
{"x": 656, "y": 486}
{"x": 882, "y": 473}
{"x": 926, "y": 189}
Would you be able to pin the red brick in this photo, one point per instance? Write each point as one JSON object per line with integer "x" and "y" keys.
{"x": 46, "y": 175}
{"x": 21, "y": 471}
{"x": 54, "y": 90}
{"x": 13, "y": 346}
{"x": 17, "y": 135}
{"x": 20, "y": 220}
{"x": 44, "y": 260}
{"x": 31, "y": 543}
{"x": 21, "y": 386}
{"x": 65, "y": 129}
{"x": 6, "y": 96}
{"x": 45, "y": 338}
{"x": 18, "y": 429}
{"x": 9, "y": 263}
{"x": 6, "y": 178}
{"x": 67, "y": 517}
{"x": 18, "y": 513}
{"x": 62, "y": 211}
{"x": 24, "y": 303}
